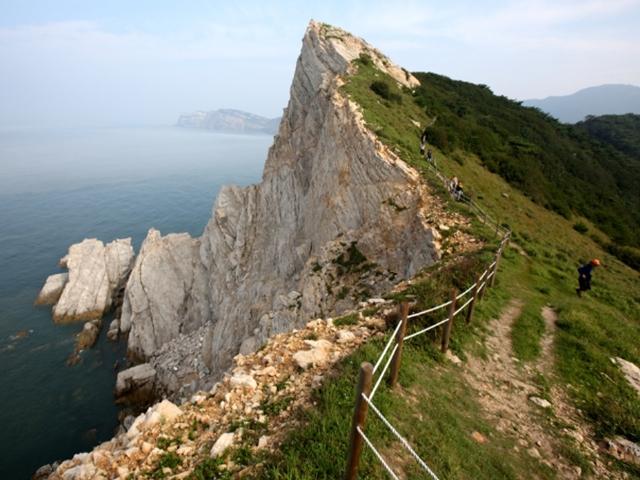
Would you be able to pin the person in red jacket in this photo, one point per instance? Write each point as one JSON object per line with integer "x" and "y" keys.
{"x": 584, "y": 276}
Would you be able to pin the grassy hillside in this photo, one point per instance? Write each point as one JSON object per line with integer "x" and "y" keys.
{"x": 435, "y": 407}
{"x": 558, "y": 166}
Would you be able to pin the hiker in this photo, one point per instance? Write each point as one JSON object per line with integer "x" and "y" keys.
{"x": 584, "y": 278}
{"x": 459, "y": 193}
{"x": 453, "y": 184}
{"x": 430, "y": 157}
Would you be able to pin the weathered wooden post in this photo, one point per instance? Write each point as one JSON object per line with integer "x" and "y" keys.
{"x": 476, "y": 291}
{"x": 495, "y": 267}
{"x": 359, "y": 419}
{"x": 446, "y": 331}
{"x": 397, "y": 357}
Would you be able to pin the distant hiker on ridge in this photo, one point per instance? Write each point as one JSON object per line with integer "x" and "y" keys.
{"x": 423, "y": 141}
{"x": 430, "y": 158}
{"x": 584, "y": 278}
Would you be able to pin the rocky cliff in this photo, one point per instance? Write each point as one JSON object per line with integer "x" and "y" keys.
{"x": 337, "y": 218}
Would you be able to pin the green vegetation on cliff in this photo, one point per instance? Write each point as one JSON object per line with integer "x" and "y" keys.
{"x": 507, "y": 156}
{"x": 559, "y": 166}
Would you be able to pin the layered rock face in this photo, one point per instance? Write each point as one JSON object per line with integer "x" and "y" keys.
{"x": 96, "y": 272}
{"x": 335, "y": 208}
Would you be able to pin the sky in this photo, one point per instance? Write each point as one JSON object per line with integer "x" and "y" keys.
{"x": 67, "y": 63}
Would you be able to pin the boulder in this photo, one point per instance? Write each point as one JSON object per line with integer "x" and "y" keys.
{"x": 136, "y": 384}
{"x": 244, "y": 380}
{"x": 52, "y": 289}
{"x": 223, "y": 442}
{"x": 43, "y": 472}
{"x": 541, "y": 402}
{"x": 631, "y": 372}
{"x": 96, "y": 272}
{"x": 319, "y": 354}
{"x": 88, "y": 335}
{"x": 81, "y": 472}
{"x": 345, "y": 336}
{"x": 623, "y": 449}
{"x": 165, "y": 411}
{"x": 114, "y": 329}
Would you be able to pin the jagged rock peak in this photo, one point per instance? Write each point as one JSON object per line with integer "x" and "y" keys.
{"x": 336, "y": 218}
{"x": 335, "y": 49}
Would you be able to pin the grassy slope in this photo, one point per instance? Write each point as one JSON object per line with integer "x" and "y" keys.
{"x": 436, "y": 410}
{"x": 557, "y": 165}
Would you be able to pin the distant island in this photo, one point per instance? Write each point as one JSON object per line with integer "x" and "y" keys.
{"x": 229, "y": 121}
{"x": 600, "y": 100}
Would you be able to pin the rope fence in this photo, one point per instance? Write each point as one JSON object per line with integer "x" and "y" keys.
{"x": 392, "y": 352}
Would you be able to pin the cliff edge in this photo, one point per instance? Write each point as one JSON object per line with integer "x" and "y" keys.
{"x": 336, "y": 219}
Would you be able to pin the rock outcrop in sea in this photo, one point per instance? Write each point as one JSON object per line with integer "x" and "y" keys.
{"x": 96, "y": 273}
{"x": 337, "y": 218}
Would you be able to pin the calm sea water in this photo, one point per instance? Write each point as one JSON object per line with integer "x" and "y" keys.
{"x": 57, "y": 188}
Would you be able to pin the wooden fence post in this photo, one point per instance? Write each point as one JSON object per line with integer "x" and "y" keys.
{"x": 359, "y": 419}
{"x": 476, "y": 290}
{"x": 397, "y": 357}
{"x": 446, "y": 331}
{"x": 495, "y": 267}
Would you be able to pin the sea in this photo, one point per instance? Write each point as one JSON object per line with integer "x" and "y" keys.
{"x": 57, "y": 187}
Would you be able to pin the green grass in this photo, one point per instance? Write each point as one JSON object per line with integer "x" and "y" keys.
{"x": 421, "y": 410}
{"x": 435, "y": 409}
{"x": 350, "y": 319}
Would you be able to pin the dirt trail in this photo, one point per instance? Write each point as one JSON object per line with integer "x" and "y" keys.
{"x": 505, "y": 388}
{"x": 577, "y": 427}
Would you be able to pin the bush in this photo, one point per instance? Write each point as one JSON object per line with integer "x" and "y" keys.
{"x": 365, "y": 59}
{"x": 628, "y": 255}
{"x": 383, "y": 90}
{"x": 580, "y": 228}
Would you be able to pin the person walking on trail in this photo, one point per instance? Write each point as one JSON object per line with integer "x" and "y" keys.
{"x": 453, "y": 184}
{"x": 584, "y": 276}
{"x": 430, "y": 158}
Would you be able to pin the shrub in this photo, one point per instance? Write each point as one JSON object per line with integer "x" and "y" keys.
{"x": 365, "y": 59}
{"x": 580, "y": 227}
{"x": 383, "y": 90}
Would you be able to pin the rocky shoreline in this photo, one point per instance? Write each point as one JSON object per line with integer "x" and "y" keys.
{"x": 337, "y": 219}
{"x": 263, "y": 389}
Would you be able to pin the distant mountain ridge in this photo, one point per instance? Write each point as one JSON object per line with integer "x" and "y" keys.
{"x": 229, "y": 121}
{"x": 601, "y": 100}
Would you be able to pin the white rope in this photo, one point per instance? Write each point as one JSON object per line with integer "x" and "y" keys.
{"x": 400, "y": 437}
{"x": 377, "y": 454}
{"x": 463, "y": 307}
{"x": 490, "y": 275}
{"x": 431, "y": 327}
{"x": 466, "y": 291}
{"x": 491, "y": 266}
{"x": 429, "y": 310}
{"x": 389, "y": 342}
{"x": 384, "y": 370}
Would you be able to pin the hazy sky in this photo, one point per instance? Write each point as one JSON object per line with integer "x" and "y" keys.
{"x": 134, "y": 62}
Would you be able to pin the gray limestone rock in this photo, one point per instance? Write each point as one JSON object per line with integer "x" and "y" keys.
{"x": 95, "y": 274}
{"x": 264, "y": 263}
{"x": 52, "y": 289}
{"x": 136, "y": 384}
